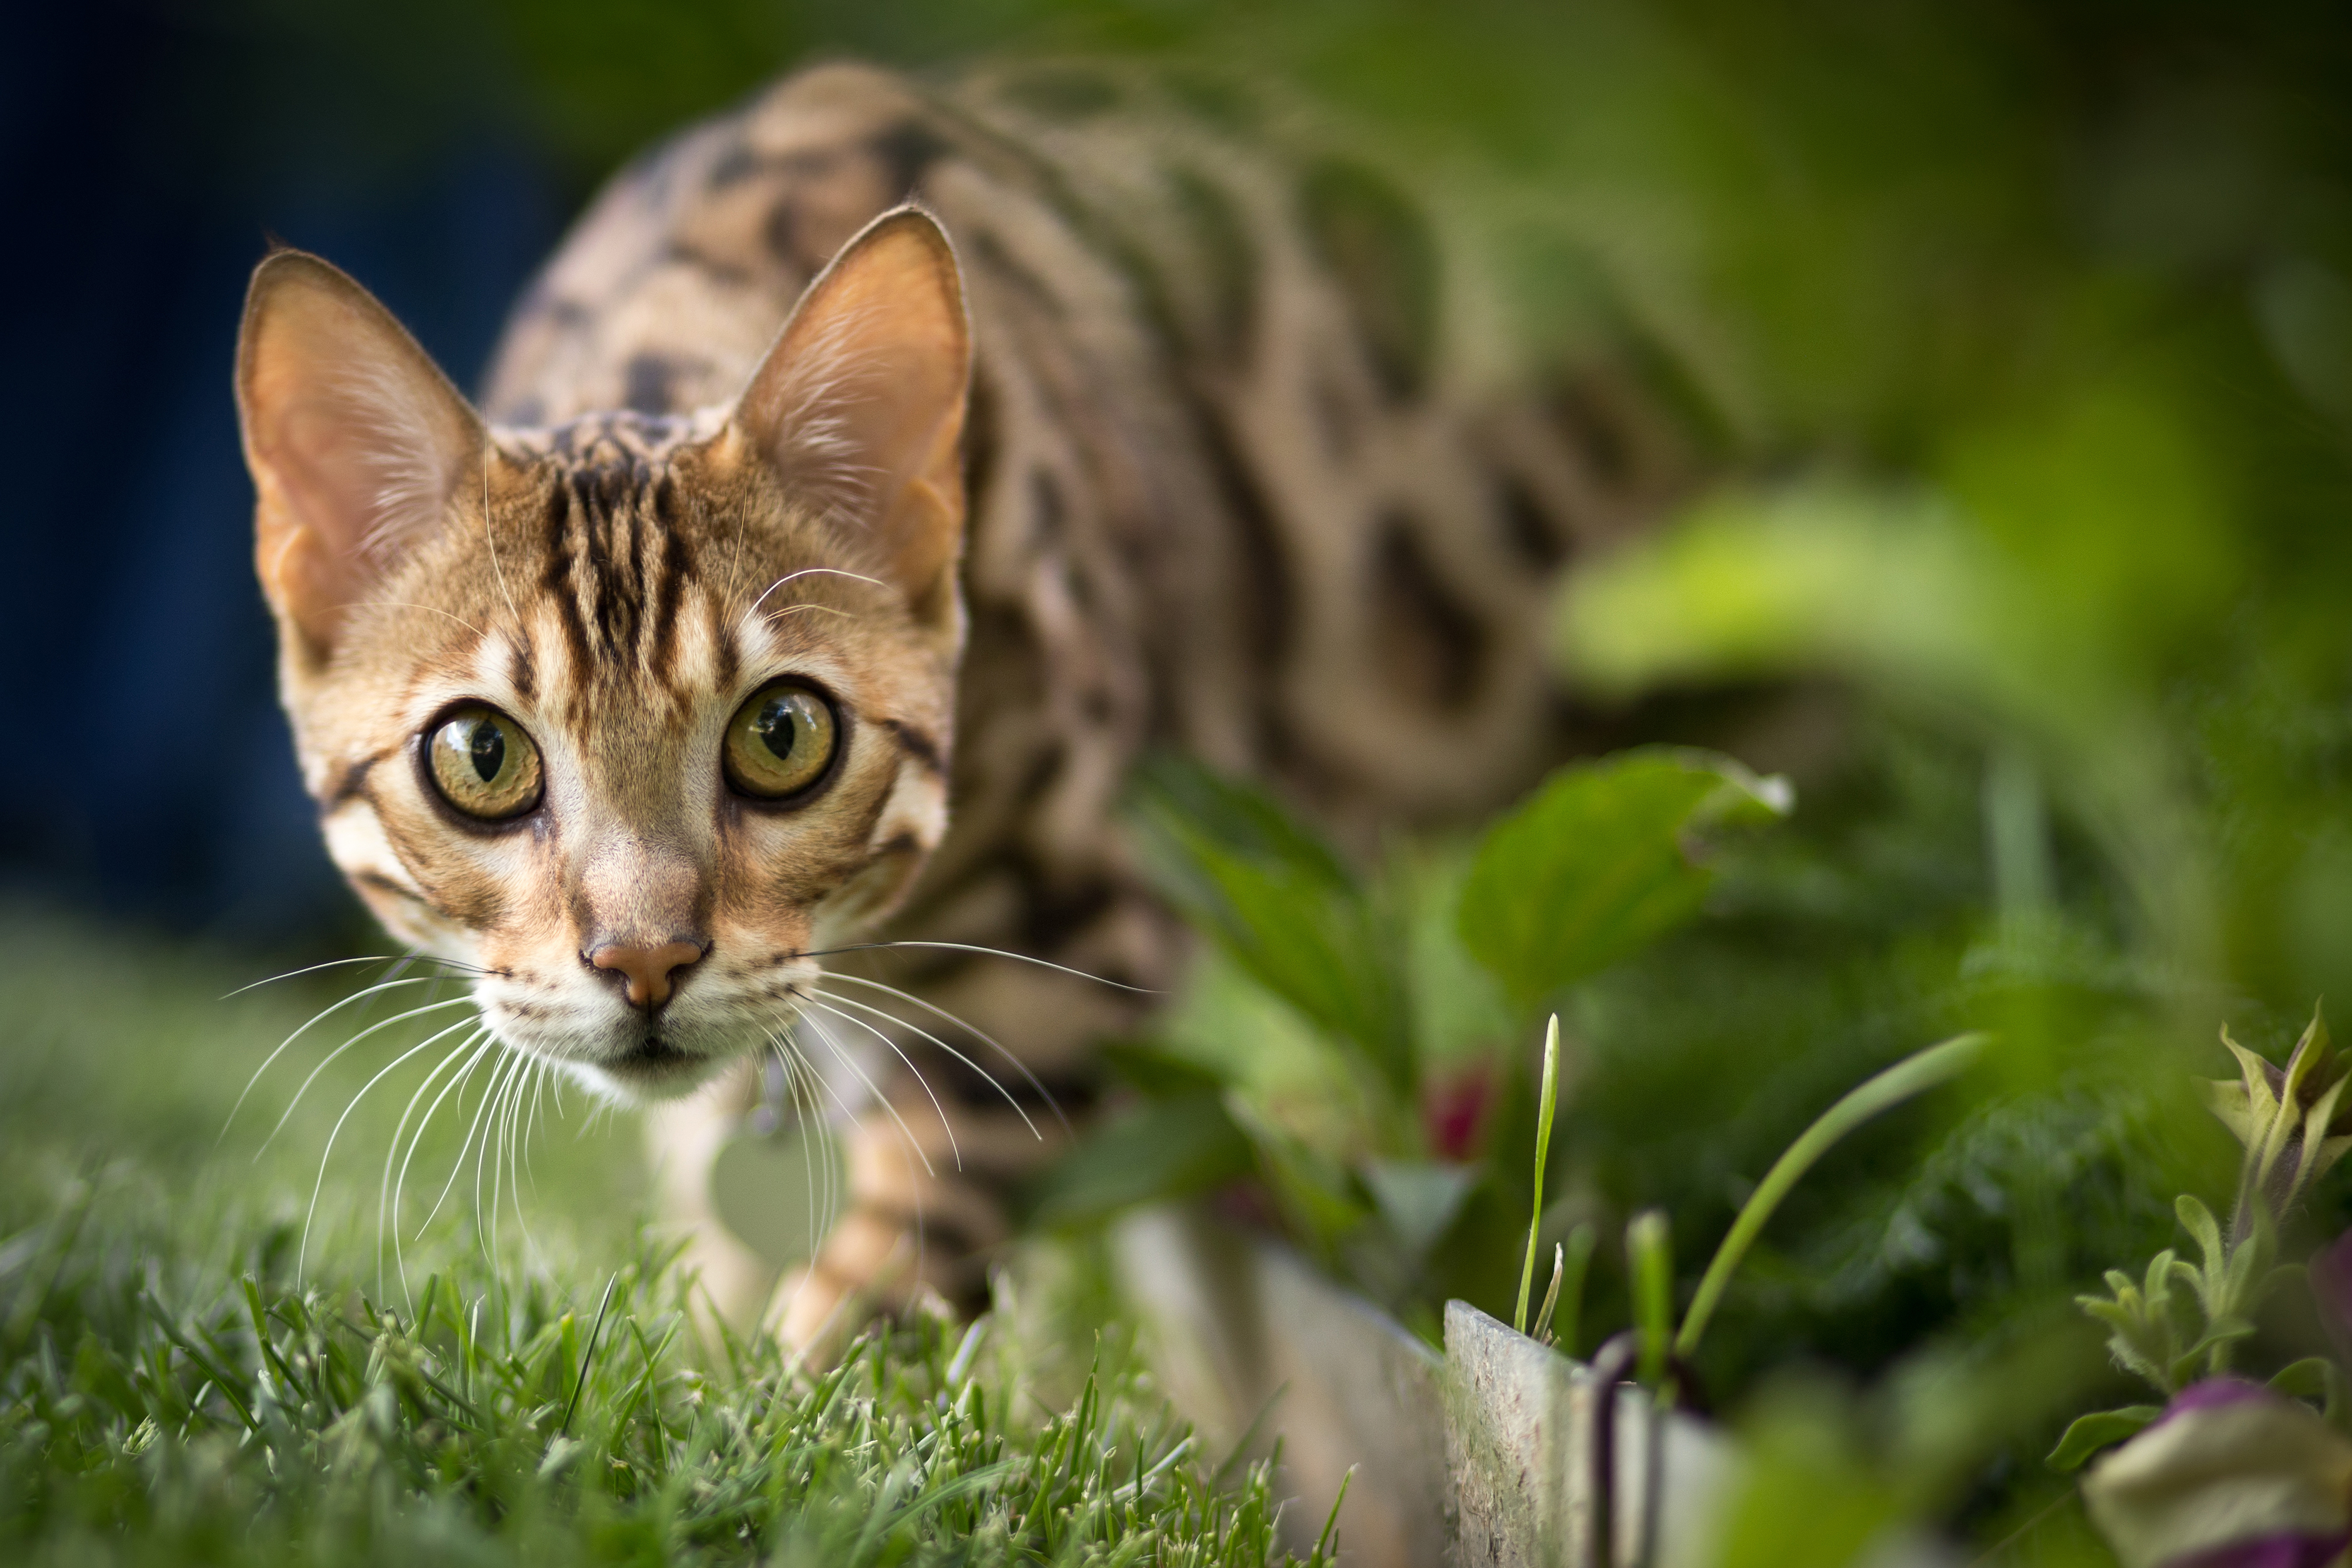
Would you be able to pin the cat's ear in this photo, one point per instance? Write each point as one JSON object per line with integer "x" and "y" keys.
{"x": 355, "y": 438}
{"x": 860, "y": 404}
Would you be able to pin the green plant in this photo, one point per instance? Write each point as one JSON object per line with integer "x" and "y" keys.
{"x": 2181, "y": 1321}
{"x": 1335, "y": 1010}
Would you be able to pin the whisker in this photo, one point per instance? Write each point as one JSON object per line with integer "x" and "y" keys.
{"x": 392, "y": 1152}
{"x": 456, "y": 1082}
{"x": 908, "y": 1132}
{"x": 816, "y": 1137}
{"x": 303, "y": 1251}
{"x": 811, "y": 572}
{"x": 988, "y": 952}
{"x": 316, "y": 1018}
{"x": 404, "y": 604}
{"x": 941, "y": 1111}
{"x": 538, "y": 1079}
{"x": 347, "y": 1045}
{"x": 493, "y": 1105}
{"x": 457, "y": 1168}
{"x": 538, "y": 1086}
{"x": 803, "y": 1080}
{"x": 939, "y": 1012}
{"x": 984, "y": 1073}
{"x": 339, "y": 962}
{"x": 797, "y": 1065}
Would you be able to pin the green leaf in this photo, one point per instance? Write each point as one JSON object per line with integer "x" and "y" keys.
{"x": 1165, "y": 1149}
{"x": 1419, "y": 1199}
{"x": 2101, "y": 1429}
{"x": 1600, "y": 862}
{"x": 2309, "y": 1378}
{"x": 1160, "y": 1074}
{"x": 1281, "y": 904}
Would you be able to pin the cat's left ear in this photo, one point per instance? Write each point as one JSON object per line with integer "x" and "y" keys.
{"x": 859, "y": 407}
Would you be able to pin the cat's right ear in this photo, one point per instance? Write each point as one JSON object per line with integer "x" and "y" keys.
{"x": 355, "y": 438}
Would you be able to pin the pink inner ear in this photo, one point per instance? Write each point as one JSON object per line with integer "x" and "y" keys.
{"x": 860, "y": 404}
{"x": 354, "y": 435}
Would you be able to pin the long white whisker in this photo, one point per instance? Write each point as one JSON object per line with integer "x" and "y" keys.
{"x": 457, "y": 1081}
{"x": 796, "y": 1063}
{"x": 319, "y": 1018}
{"x": 537, "y": 1078}
{"x": 880, "y": 1098}
{"x": 347, "y": 1045}
{"x": 538, "y": 1086}
{"x": 941, "y": 1111}
{"x": 816, "y": 1137}
{"x": 811, "y": 572}
{"x": 493, "y": 1104}
{"x": 984, "y": 1073}
{"x": 987, "y": 952}
{"x": 939, "y": 1012}
{"x": 497, "y": 1070}
{"x": 391, "y": 1153}
{"x": 341, "y": 963}
{"x": 303, "y": 1251}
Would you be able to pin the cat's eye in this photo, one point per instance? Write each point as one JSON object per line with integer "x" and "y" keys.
{"x": 781, "y": 741}
{"x": 482, "y": 763}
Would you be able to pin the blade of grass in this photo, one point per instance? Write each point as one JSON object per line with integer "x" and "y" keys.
{"x": 587, "y": 1358}
{"x": 1914, "y": 1074}
{"x": 1543, "y": 1148}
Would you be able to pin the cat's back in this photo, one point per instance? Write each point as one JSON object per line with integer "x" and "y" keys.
{"x": 1247, "y": 471}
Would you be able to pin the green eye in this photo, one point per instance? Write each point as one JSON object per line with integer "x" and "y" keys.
{"x": 781, "y": 741}
{"x": 484, "y": 764}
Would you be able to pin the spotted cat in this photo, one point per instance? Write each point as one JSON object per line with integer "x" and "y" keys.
{"x": 875, "y": 473}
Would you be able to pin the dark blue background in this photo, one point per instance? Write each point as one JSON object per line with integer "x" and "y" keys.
{"x": 146, "y": 159}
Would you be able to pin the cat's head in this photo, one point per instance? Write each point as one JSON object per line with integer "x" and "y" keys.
{"x": 633, "y": 715}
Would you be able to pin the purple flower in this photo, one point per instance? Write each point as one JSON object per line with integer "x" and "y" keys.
{"x": 2276, "y": 1551}
{"x": 2231, "y": 1476}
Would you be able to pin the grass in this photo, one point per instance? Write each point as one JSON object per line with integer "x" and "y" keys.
{"x": 184, "y": 1380}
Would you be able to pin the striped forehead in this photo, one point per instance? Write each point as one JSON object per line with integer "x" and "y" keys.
{"x": 620, "y": 609}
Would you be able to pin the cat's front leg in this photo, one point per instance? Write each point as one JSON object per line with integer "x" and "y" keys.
{"x": 683, "y": 1137}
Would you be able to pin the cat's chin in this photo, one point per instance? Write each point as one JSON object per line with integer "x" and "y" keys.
{"x": 650, "y": 1071}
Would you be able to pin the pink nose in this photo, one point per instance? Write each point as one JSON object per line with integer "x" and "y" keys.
{"x": 646, "y": 970}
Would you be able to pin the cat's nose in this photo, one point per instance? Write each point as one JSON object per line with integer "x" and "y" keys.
{"x": 646, "y": 971}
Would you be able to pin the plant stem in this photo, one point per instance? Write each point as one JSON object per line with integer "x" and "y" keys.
{"x": 1543, "y": 1148}
{"x": 1915, "y": 1073}
{"x": 1650, "y": 1261}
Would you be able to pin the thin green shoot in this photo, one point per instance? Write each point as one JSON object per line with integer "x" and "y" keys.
{"x": 1543, "y": 1149}
{"x": 587, "y": 1358}
{"x": 1542, "y": 1328}
{"x": 1650, "y": 1265}
{"x": 1331, "y": 1522}
{"x": 1574, "y": 1262}
{"x": 1913, "y": 1075}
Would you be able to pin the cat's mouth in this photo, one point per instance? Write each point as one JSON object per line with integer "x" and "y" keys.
{"x": 653, "y": 1065}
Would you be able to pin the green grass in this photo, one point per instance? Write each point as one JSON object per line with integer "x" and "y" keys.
{"x": 184, "y": 1380}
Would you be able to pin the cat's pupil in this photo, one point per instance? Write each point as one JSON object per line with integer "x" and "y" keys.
{"x": 775, "y": 728}
{"x": 488, "y": 751}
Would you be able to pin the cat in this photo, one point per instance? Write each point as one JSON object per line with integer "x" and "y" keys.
{"x": 874, "y": 474}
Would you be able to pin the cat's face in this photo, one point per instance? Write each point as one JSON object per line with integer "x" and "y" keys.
{"x": 633, "y": 716}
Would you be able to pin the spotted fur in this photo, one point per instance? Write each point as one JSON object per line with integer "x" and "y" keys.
{"x": 1245, "y": 473}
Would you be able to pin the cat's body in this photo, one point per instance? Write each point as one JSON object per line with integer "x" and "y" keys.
{"x": 1238, "y": 483}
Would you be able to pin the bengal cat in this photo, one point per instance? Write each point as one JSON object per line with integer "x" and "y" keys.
{"x": 873, "y": 475}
